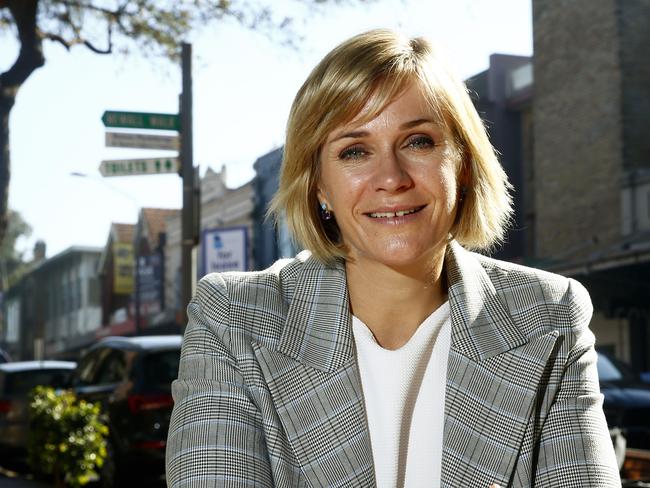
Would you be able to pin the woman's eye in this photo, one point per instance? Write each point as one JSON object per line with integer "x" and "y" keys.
{"x": 351, "y": 153}
{"x": 420, "y": 142}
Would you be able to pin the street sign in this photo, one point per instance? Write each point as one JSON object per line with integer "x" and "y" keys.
{"x": 142, "y": 141}
{"x": 225, "y": 249}
{"x": 140, "y": 120}
{"x": 130, "y": 167}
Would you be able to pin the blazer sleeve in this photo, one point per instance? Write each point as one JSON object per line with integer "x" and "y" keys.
{"x": 215, "y": 433}
{"x": 575, "y": 446}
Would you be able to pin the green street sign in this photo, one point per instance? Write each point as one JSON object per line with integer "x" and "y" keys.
{"x": 140, "y": 120}
{"x": 132, "y": 167}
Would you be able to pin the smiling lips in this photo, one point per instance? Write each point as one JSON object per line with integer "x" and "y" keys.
{"x": 397, "y": 213}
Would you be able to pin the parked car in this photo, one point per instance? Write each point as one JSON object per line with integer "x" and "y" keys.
{"x": 131, "y": 377}
{"x": 17, "y": 379}
{"x": 627, "y": 400}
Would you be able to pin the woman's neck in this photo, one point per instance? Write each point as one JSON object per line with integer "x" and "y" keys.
{"x": 394, "y": 302}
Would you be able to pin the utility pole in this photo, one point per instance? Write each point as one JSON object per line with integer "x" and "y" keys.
{"x": 138, "y": 304}
{"x": 189, "y": 235}
{"x": 190, "y": 216}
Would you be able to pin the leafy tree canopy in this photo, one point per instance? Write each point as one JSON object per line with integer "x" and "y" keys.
{"x": 153, "y": 27}
{"x": 12, "y": 259}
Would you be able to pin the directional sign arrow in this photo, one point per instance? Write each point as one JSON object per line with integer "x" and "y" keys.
{"x": 142, "y": 141}
{"x": 147, "y": 166}
{"x": 141, "y": 120}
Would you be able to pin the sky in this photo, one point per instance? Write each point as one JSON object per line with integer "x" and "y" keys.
{"x": 243, "y": 86}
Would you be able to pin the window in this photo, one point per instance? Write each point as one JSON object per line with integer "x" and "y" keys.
{"x": 87, "y": 369}
{"x": 112, "y": 369}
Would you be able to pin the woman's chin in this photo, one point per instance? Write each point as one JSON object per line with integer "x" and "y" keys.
{"x": 400, "y": 258}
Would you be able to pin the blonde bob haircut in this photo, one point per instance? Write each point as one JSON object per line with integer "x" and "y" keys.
{"x": 369, "y": 71}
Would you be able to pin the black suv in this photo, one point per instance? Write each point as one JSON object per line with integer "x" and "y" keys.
{"x": 627, "y": 400}
{"x": 131, "y": 377}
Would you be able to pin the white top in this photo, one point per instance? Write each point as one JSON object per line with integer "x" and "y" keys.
{"x": 404, "y": 394}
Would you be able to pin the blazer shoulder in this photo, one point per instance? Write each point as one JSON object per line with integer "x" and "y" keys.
{"x": 232, "y": 284}
{"x": 250, "y": 305}
{"x": 559, "y": 301}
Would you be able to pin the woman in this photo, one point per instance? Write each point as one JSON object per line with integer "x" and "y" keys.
{"x": 389, "y": 355}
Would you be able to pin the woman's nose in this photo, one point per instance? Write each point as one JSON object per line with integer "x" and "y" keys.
{"x": 391, "y": 173}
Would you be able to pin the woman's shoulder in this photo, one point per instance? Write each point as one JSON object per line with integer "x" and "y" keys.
{"x": 532, "y": 292}
{"x": 278, "y": 278}
{"x": 510, "y": 277}
{"x": 241, "y": 308}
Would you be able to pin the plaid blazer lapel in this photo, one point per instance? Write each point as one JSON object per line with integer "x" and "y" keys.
{"x": 492, "y": 379}
{"x": 315, "y": 384}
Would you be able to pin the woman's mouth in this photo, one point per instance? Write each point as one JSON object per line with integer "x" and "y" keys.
{"x": 398, "y": 213}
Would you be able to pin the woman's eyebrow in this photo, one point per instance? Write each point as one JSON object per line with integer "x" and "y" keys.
{"x": 416, "y": 122}
{"x": 351, "y": 135}
{"x": 356, "y": 134}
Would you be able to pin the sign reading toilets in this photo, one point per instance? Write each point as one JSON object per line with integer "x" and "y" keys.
{"x": 224, "y": 249}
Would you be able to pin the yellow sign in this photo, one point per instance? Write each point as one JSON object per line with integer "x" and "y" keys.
{"x": 123, "y": 266}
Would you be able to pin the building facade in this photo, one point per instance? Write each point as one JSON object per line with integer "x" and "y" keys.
{"x": 54, "y": 310}
{"x": 502, "y": 95}
{"x": 116, "y": 272}
{"x": 226, "y": 217}
{"x": 148, "y": 305}
{"x": 272, "y": 241}
{"x": 592, "y": 159}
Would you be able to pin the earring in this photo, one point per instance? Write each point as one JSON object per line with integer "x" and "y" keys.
{"x": 325, "y": 214}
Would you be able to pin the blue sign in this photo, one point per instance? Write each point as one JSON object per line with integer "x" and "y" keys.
{"x": 224, "y": 249}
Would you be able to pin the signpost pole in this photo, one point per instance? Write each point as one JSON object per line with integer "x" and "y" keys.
{"x": 137, "y": 287}
{"x": 187, "y": 174}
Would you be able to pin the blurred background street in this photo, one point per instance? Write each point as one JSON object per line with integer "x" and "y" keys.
{"x": 104, "y": 127}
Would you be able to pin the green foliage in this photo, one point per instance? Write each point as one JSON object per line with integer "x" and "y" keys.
{"x": 67, "y": 436}
{"x": 157, "y": 27}
{"x": 12, "y": 259}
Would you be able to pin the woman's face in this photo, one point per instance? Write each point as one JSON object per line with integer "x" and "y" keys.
{"x": 391, "y": 183}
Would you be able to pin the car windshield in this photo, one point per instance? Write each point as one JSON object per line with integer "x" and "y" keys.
{"x": 21, "y": 382}
{"x": 611, "y": 370}
{"x": 161, "y": 368}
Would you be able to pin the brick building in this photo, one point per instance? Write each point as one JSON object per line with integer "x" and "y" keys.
{"x": 592, "y": 159}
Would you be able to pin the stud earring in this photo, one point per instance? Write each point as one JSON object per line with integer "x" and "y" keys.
{"x": 325, "y": 214}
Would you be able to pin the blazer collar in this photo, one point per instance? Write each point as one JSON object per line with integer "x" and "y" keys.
{"x": 318, "y": 329}
{"x": 482, "y": 324}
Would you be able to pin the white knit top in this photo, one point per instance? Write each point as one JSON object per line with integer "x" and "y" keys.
{"x": 404, "y": 394}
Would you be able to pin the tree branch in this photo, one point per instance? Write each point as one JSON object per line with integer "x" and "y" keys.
{"x": 56, "y": 38}
{"x": 68, "y": 43}
{"x": 30, "y": 56}
{"x": 108, "y": 50}
{"x": 91, "y": 6}
{"x": 79, "y": 38}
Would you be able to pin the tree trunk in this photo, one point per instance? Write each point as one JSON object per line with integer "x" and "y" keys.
{"x": 30, "y": 57}
{"x": 6, "y": 103}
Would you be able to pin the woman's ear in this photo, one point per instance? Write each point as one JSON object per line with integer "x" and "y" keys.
{"x": 465, "y": 173}
{"x": 322, "y": 198}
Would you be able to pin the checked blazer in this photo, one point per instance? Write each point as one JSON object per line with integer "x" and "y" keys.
{"x": 269, "y": 392}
